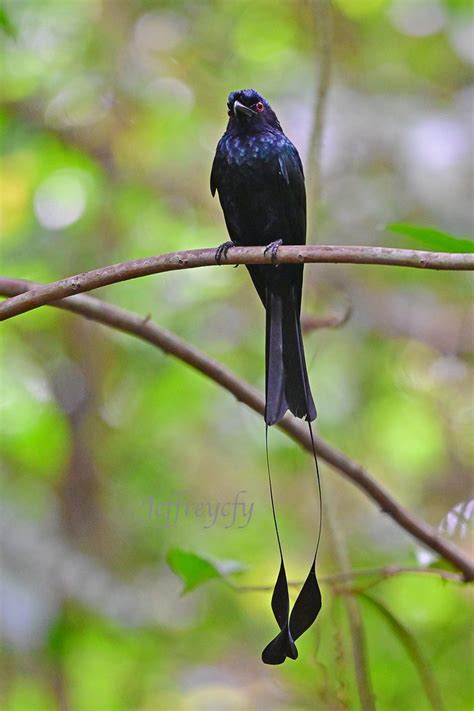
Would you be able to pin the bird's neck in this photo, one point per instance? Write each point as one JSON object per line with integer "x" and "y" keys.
{"x": 236, "y": 128}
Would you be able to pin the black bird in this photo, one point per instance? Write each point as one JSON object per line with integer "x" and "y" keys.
{"x": 258, "y": 174}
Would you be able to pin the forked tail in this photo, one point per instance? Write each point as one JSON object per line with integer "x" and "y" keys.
{"x": 287, "y": 384}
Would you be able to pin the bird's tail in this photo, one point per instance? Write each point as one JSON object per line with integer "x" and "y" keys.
{"x": 287, "y": 383}
{"x": 287, "y": 388}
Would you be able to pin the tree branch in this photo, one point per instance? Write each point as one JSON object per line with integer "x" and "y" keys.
{"x": 323, "y": 17}
{"x": 354, "y": 615}
{"x": 298, "y": 254}
{"x": 313, "y": 323}
{"x": 382, "y": 573}
{"x": 122, "y": 320}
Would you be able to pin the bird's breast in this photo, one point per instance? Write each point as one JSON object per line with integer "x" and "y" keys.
{"x": 248, "y": 150}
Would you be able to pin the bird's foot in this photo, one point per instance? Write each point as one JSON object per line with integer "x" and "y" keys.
{"x": 273, "y": 249}
{"x": 222, "y": 250}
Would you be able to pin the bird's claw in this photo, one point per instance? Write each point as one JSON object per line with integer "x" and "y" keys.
{"x": 273, "y": 249}
{"x": 221, "y": 251}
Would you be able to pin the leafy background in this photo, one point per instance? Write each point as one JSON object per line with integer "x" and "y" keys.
{"x": 110, "y": 115}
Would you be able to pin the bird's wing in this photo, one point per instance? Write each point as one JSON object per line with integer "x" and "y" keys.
{"x": 291, "y": 202}
{"x": 216, "y": 170}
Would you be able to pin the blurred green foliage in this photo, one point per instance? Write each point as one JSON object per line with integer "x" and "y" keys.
{"x": 434, "y": 239}
{"x": 111, "y": 111}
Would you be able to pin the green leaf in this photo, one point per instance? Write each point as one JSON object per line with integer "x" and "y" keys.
{"x": 414, "y": 651}
{"x": 443, "y": 564}
{"x": 195, "y": 570}
{"x": 433, "y": 238}
{"x": 6, "y": 24}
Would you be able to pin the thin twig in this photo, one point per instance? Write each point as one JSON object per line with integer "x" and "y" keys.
{"x": 170, "y": 343}
{"x": 359, "y": 648}
{"x": 313, "y": 323}
{"x": 354, "y": 615}
{"x": 323, "y": 17}
{"x": 238, "y": 255}
{"x": 382, "y": 573}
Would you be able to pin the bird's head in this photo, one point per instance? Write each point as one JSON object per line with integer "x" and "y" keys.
{"x": 250, "y": 112}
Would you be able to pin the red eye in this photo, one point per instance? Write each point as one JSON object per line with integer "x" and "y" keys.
{"x": 259, "y": 107}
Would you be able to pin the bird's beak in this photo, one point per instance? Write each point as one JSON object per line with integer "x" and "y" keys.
{"x": 238, "y": 107}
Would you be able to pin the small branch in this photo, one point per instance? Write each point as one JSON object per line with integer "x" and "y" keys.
{"x": 384, "y": 573}
{"x": 338, "y": 544}
{"x": 313, "y": 323}
{"x": 354, "y": 615}
{"x": 122, "y": 320}
{"x": 391, "y": 571}
{"x": 323, "y": 17}
{"x": 191, "y": 259}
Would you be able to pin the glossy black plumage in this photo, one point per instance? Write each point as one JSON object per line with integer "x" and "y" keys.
{"x": 258, "y": 175}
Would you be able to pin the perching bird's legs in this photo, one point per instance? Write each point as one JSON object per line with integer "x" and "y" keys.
{"x": 273, "y": 249}
{"x": 222, "y": 250}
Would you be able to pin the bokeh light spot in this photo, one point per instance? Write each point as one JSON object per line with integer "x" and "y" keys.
{"x": 462, "y": 38}
{"x": 60, "y": 200}
{"x": 84, "y": 101}
{"x": 418, "y": 18}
